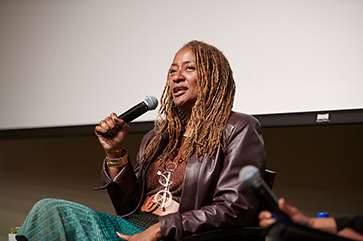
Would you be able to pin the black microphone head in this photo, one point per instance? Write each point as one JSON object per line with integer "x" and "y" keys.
{"x": 247, "y": 172}
{"x": 151, "y": 102}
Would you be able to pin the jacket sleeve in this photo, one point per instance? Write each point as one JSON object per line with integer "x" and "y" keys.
{"x": 124, "y": 190}
{"x": 355, "y": 222}
{"x": 230, "y": 203}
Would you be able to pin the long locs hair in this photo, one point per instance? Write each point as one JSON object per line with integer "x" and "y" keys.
{"x": 216, "y": 90}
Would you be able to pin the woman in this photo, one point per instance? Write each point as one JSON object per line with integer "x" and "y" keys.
{"x": 186, "y": 177}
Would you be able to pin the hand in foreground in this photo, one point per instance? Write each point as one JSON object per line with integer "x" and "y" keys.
{"x": 266, "y": 218}
{"x": 111, "y": 132}
{"x": 153, "y": 233}
{"x": 325, "y": 224}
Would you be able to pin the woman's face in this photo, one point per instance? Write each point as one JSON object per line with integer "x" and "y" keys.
{"x": 183, "y": 80}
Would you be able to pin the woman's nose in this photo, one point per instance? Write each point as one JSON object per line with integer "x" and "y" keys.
{"x": 178, "y": 76}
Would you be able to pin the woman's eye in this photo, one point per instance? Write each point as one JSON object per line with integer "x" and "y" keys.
{"x": 190, "y": 67}
{"x": 172, "y": 71}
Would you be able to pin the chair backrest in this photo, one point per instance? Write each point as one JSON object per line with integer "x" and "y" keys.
{"x": 269, "y": 177}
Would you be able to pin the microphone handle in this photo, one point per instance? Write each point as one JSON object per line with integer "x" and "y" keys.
{"x": 131, "y": 114}
{"x": 134, "y": 112}
{"x": 265, "y": 195}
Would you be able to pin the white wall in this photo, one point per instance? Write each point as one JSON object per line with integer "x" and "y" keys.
{"x": 72, "y": 62}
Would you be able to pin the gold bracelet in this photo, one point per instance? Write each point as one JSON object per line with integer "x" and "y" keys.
{"x": 118, "y": 162}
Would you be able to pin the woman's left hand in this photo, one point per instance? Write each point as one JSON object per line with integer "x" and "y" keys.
{"x": 153, "y": 233}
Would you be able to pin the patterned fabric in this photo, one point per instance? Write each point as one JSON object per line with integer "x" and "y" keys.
{"x": 176, "y": 187}
{"x": 152, "y": 179}
{"x": 142, "y": 220}
{"x": 55, "y": 219}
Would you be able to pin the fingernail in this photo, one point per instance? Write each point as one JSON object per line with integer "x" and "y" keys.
{"x": 115, "y": 119}
{"x": 104, "y": 131}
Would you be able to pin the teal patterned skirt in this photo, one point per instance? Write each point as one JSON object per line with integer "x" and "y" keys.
{"x": 56, "y": 219}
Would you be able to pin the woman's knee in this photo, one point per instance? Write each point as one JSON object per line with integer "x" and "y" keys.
{"x": 45, "y": 203}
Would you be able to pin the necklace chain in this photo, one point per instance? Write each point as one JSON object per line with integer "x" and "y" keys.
{"x": 164, "y": 197}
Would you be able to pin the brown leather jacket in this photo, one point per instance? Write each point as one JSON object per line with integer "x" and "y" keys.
{"x": 212, "y": 196}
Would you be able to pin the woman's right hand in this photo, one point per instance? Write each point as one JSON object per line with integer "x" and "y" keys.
{"x": 111, "y": 133}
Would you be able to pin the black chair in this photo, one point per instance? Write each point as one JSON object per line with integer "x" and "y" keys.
{"x": 254, "y": 233}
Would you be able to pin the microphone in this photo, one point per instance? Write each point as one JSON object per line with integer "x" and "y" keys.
{"x": 149, "y": 103}
{"x": 250, "y": 176}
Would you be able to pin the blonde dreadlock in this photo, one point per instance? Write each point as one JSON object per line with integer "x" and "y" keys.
{"x": 211, "y": 110}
